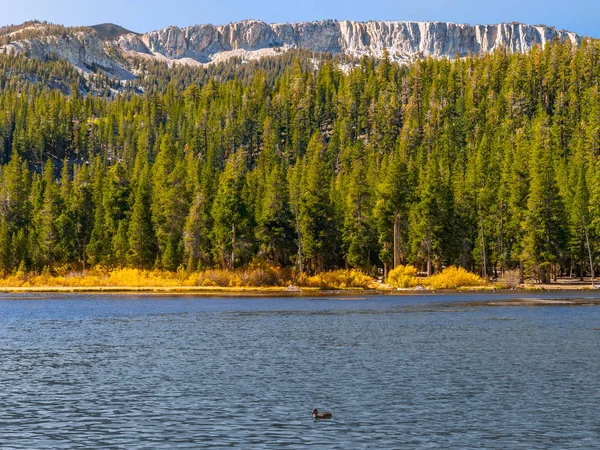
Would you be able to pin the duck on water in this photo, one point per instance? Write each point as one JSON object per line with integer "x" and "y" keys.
{"x": 321, "y": 415}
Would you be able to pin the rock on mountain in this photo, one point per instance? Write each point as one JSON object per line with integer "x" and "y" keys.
{"x": 108, "y": 46}
{"x": 82, "y": 46}
{"x": 404, "y": 40}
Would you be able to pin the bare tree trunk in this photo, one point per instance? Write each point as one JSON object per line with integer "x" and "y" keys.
{"x": 589, "y": 248}
{"x": 521, "y": 272}
{"x": 429, "y": 271}
{"x": 396, "y": 240}
{"x": 233, "y": 244}
{"x": 502, "y": 241}
{"x": 484, "y": 260}
{"x": 571, "y": 272}
{"x": 300, "y": 267}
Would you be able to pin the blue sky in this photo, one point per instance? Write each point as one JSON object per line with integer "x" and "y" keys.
{"x": 582, "y": 16}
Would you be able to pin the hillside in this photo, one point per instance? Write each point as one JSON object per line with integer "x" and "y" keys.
{"x": 113, "y": 49}
{"x": 487, "y": 162}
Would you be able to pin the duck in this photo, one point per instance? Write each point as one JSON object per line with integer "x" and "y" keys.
{"x": 321, "y": 415}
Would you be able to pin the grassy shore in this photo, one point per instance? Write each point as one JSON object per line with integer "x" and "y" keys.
{"x": 259, "y": 280}
{"x": 246, "y": 290}
{"x": 280, "y": 291}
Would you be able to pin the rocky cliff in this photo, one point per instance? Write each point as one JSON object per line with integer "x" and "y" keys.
{"x": 402, "y": 39}
{"x": 83, "y": 47}
{"x": 89, "y": 47}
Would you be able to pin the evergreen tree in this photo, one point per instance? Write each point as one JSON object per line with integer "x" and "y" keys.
{"x": 230, "y": 214}
{"x": 489, "y": 162}
{"x": 391, "y": 212}
{"x": 275, "y": 230}
{"x": 545, "y": 234}
{"x": 427, "y": 217}
{"x": 581, "y": 244}
{"x": 358, "y": 233}
{"x": 142, "y": 240}
{"x": 315, "y": 209}
{"x": 48, "y": 232}
{"x": 169, "y": 203}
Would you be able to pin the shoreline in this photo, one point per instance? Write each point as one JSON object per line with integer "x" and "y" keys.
{"x": 281, "y": 291}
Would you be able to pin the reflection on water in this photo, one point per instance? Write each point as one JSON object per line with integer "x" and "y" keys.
{"x": 398, "y": 372}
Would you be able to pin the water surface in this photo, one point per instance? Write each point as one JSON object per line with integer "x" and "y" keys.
{"x": 433, "y": 371}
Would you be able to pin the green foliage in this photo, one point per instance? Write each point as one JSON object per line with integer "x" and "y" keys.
{"x": 488, "y": 162}
{"x": 142, "y": 240}
{"x": 230, "y": 212}
{"x": 315, "y": 208}
{"x": 545, "y": 225}
{"x": 275, "y": 230}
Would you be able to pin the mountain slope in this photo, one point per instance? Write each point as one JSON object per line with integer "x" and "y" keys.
{"x": 404, "y": 40}
{"x": 109, "y": 47}
{"x": 110, "y": 31}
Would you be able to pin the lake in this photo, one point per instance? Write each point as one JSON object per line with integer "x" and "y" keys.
{"x": 428, "y": 371}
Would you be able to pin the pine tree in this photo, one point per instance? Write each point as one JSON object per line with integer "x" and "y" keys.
{"x": 427, "y": 217}
{"x": 438, "y": 162}
{"x": 142, "y": 240}
{"x": 196, "y": 235}
{"x": 315, "y": 209}
{"x": 66, "y": 249}
{"x": 581, "y": 244}
{"x": 97, "y": 249}
{"x": 229, "y": 212}
{"x": 14, "y": 213}
{"x": 545, "y": 234}
{"x": 358, "y": 233}
{"x": 275, "y": 230}
{"x": 170, "y": 204}
{"x": 391, "y": 212}
{"x": 48, "y": 232}
{"x": 83, "y": 209}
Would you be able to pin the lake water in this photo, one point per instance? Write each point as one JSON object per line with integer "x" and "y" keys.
{"x": 91, "y": 371}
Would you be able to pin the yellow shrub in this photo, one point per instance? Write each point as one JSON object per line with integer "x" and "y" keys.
{"x": 338, "y": 279}
{"x": 403, "y": 276}
{"x": 18, "y": 279}
{"x": 235, "y": 281}
{"x": 216, "y": 277}
{"x": 207, "y": 282}
{"x": 142, "y": 278}
{"x": 265, "y": 275}
{"x": 453, "y": 278}
{"x": 257, "y": 275}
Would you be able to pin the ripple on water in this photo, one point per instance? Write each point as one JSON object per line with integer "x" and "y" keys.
{"x": 397, "y": 373}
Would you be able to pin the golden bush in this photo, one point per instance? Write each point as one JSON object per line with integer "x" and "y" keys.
{"x": 338, "y": 279}
{"x": 452, "y": 278}
{"x": 258, "y": 275}
{"x": 403, "y": 276}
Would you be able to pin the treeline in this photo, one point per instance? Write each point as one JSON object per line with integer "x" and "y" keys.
{"x": 21, "y": 73}
{"x": 35, "y": 29}
{"x": 156, "y": 76}
{"x": 484, "y": 162}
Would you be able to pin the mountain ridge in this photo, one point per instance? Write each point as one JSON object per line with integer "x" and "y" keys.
{"x": 110, "y": 31}
{"x": 109, "y": 46}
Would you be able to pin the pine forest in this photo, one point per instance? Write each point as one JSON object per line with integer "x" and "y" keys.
{"x": 301, "y": 161}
